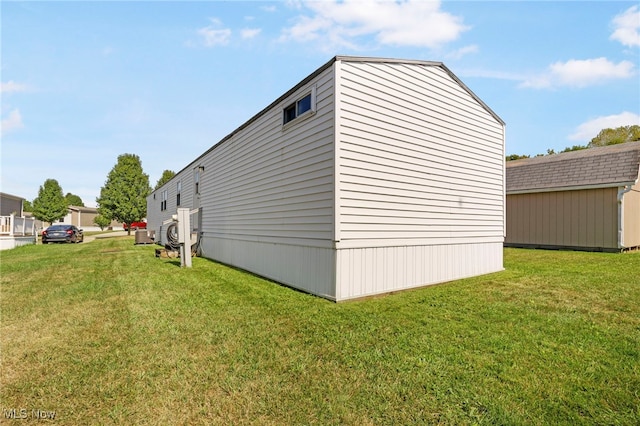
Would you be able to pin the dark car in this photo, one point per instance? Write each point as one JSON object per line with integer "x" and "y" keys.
{"x": 135, "y": 226}
{"x": 62, "y": 234}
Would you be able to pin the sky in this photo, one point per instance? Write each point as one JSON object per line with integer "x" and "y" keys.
{"x": 84, "y": 82}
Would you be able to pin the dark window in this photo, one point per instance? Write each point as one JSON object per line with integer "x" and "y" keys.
{"x": 163, "y": 201}
{"x": 289, "y": 113}
{"x": 298, "y": 108}
{"x": 304, "y": 104}
{"x": 178, "y": 191}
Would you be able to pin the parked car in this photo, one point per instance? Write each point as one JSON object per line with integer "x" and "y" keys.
{"x": 135, "y": 226}
{"x": 62, "y": 234}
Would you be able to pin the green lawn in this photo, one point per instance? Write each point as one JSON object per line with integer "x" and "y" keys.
{"x": 105, "y": 333}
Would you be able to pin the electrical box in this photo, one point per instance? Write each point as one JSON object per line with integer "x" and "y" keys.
{"x": 184, "y": 236}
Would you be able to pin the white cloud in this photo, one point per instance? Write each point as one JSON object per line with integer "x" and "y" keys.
{"x": 580, "y": 73}
{"x": 212, "y": 35}
{"x": 457, "y": 54}
{"x": 12, "y": 122}
{"x": 13, "y": 87}
{"x": 397, "y": 23}
{"x": 590, "y": 129}
{"x": 627, "y": 27}
{"x": 248, "y": 33}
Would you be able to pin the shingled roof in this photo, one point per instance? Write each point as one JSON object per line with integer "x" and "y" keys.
{"x": 613, "y": 165}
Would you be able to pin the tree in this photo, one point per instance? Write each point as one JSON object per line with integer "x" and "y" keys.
{"x": 124, "y": 195}
{"x": 27, "y": 206}
{"x": 73, "y": 200}
{"x": 50, "y": 205}
{"x": 515, "y": 157}
{"x": 101, "y": 221}
{"x": 166, "y": 177}
{"x": 615, "y": 136}
{"x": 574, "y": 148}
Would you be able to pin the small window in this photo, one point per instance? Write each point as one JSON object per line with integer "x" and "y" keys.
{"x": 163, "y": 201}
{"x": 302, "y": 106}
{"x": 289, "y": 113}
{"x": 178, "y": 191}
{"x": 196, "y": 180}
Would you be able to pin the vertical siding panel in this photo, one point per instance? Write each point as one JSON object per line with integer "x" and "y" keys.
{"x": 577, "y": 218}
{"x": 552, "y": 222}
{"x": 528, "y": 220}
{"x": 611, "y": 217}
{"x": 582, "y": 215}
{"x": 631, "y": 225}
{"x": 400, "y": 275}
{"x": 590, "y": 226}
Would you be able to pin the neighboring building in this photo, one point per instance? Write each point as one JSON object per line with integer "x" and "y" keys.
{"x": 585, "y": 200}
{"x": 15, "y": 229}
{"x": 82, "y": 217}
{"x": 369, "y": 176}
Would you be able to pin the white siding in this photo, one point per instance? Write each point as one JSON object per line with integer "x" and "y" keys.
{"x": 376, "y": 270}
{"x": 421, "y": 160}
{"x": 267, "y": 195}
{"x": 395, "y": 182}
{"x": 269, "y": 184}
{"x": 311, "y": 269}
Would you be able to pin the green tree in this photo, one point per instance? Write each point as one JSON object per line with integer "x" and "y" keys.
{"x": 574, "y": 148}
{"x": 73, "y": 200}
{"x": 166, "y": 177}
{"x": 515, "y": 157}
{"x": 27, "y": 206}
{"x": 50, "y": 204}
{"x": 101, "y": 221}
{"x": 124, "y": 195}
{"x": 615, "y": 136}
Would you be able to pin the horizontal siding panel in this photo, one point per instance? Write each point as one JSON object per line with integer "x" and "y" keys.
{"x": 413, "y": 115}
{"x": 413, "y": 212}
{"x": 435, "y": 190}
{"x": 389, "y": 232}
{"x": 267, "y": 183}
{"x": 452, "y": 177}
{"x": 412, "y": 139}
{"x": 391, "y": 84}
{"x": 430, "y": 125}
{"x": 419, "y": 223}
{"x": 416, "y": 139}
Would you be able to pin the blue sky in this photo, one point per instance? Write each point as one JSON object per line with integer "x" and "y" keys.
{"x": 83, "y": 82}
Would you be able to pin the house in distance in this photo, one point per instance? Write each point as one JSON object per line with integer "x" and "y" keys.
{"x": 369, "y": 176}
{"x": 580, "y": 200}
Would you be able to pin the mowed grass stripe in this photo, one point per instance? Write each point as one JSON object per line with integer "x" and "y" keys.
{"x": 106, "y": 333}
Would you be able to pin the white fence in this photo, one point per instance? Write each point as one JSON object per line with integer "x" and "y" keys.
{"x": 15, "y": 226}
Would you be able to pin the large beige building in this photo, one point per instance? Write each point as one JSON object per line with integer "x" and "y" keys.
{"x": 369, "y": 176}
{"x": 585, "y": 200}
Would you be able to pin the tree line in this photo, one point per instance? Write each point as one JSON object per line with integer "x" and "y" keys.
{"x": 123, "y": 198}
{"x": 606, "y": 137}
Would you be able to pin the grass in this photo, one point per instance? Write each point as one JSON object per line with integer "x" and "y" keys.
{"x": 106, "y": 333}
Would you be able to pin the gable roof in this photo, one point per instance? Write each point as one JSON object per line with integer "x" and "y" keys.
{"x": 608, "y": 166}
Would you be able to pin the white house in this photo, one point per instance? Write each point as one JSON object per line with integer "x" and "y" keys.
{"x": 15, "y": 229}
{"x": 369, "y": 176}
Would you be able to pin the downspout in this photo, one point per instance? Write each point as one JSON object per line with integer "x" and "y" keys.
{"x": 621, "y": 191}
